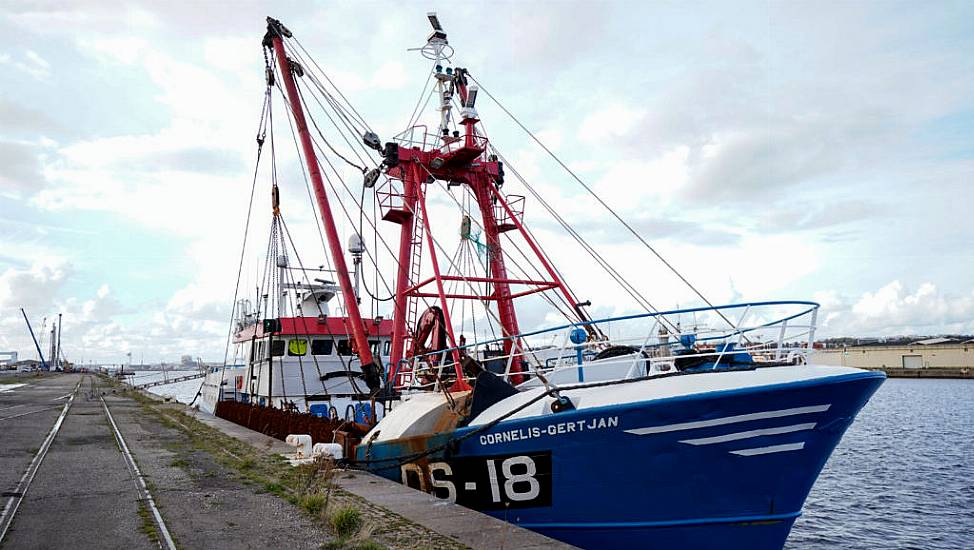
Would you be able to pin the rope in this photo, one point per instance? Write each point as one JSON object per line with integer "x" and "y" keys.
{"x": 341, "y": 204}
{"x": 261, "y": 135}
{"x": 352, "y": 107}
{"x": 600, "y": 201}
{"x": 599, "y": 259}
{"x": 323, "y": 138}
{"x": 553, "y": 392}
{"x": 346, "y": 366}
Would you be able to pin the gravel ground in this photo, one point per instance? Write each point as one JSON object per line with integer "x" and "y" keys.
{"x": 205, "y": 504}
{"x": 82, "y": 495}
{"x": 213, "y": 491}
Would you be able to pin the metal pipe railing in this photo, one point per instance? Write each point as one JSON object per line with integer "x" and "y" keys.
{"x": 564, "y": 356}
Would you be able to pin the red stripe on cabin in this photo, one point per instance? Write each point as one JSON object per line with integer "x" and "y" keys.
{"x": 314, "y": 326}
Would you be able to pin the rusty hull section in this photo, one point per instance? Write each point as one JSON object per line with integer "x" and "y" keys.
{"x": 415, "y": 473}
{"x": 279, "y": 424}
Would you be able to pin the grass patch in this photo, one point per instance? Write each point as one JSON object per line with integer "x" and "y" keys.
{"x": 346, "y": 521}
{"x": 179, "y": 463}
{"x": 148, "y": 523}
{"x": 314, "y": 503}
{"x": 308, "y": 487}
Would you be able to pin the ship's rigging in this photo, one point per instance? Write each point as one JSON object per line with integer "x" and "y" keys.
{"x": 740, "y": 411}
{"x": 472, "y": 286}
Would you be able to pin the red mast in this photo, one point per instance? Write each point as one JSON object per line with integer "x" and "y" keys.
{"x": 458, "y": 160}
{"x": 274, "y": 39}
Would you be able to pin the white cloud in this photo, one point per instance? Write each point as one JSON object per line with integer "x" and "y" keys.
{"x": 612, "y": 122}
{"x": 895, "y": 309}
{"x": 701, "y": 137}
{"x": 115, "y": 49}
{"x": 29, "y": 62}
{"x": 32, "y": 287}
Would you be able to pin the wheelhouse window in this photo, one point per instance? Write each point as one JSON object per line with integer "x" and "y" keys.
{"x": 374, "y": 345}
{"x": 344, "y": 348}
{"x": 386, "y": 347}
{"x": 321, "y": 347}
{"x": 277, "y": 348}
{"x": 297, "y": 347}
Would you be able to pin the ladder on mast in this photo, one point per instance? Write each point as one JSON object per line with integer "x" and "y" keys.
{"x": 416, "y": 265}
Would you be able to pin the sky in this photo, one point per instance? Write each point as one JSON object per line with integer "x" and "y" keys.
{"x": 769, "y": 150}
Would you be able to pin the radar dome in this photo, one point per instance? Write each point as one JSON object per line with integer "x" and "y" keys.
{"x": 355, "y": 244}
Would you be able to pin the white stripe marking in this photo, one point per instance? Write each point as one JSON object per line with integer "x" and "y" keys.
{"x": 749, "y": 434}
{"x": 729, "y": 420}
{"x": 771, "y": 449}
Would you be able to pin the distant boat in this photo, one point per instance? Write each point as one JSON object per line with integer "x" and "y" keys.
{"x": 654, "y": 435}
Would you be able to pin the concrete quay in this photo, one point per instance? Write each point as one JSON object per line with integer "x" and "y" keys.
{"x": 193, "y": 481}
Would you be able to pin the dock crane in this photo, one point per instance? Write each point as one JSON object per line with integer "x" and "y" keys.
{"x": 34, "y": 338}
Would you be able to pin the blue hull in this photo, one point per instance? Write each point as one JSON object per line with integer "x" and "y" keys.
{"x": 724, "y": 469}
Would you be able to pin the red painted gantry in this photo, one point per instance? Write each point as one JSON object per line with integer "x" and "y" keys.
{"x": 460, "y": 160}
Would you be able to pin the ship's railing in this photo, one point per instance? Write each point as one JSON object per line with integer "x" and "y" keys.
{"x": 516, "y": 205}
{"x": 414, "y": 136}
{"x": 420, "y": 136}
{"x": 389, "y": 195}
{"x": 632, "y": 346}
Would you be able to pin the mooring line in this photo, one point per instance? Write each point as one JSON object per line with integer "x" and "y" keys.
{"x": 13, "y": 503}
{"x": 140, "y": 480}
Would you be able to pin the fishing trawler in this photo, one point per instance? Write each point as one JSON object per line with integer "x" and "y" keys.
{"x": 639, "y": 430}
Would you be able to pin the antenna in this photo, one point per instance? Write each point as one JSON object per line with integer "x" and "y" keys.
{"x": 471, "y": 96}
{"x": 437, "y": 48}
{"x": 469, "y": 112}
{"x": 435, "y": 21}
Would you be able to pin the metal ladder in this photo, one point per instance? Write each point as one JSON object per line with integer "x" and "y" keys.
{"x": 416, "y": 264}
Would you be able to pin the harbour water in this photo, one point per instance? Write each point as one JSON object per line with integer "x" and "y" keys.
{"x": 180, "y": 391}
{"x": 903, "y": 476}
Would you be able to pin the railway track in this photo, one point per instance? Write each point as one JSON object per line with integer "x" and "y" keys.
{"x": 165, "y": 540}
{"x": 15, "y": 497}
{"x": 90, "y": 388}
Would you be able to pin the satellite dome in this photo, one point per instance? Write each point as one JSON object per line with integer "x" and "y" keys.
{"x": 355, "y": 244}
